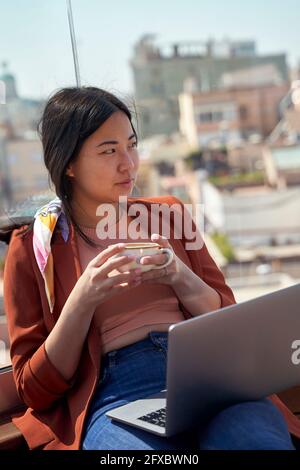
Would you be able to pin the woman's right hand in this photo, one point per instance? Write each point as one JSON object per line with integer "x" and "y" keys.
{"x": 97, "y": 284}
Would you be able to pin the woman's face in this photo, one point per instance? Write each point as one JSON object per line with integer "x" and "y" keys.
{"x": 107, "y": 158}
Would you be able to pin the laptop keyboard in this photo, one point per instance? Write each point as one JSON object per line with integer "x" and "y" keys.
{"x": 156, "y": 417}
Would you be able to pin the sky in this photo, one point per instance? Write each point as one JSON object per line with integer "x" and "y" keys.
{"x": 35, "y": 41}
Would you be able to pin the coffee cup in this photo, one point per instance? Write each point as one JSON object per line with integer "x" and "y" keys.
{"x": 143, "y": 249}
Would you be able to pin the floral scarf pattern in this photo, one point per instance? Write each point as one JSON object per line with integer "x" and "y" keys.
{"x": 45, "y": 220}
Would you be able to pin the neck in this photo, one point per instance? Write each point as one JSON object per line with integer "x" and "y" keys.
{"x": 85, "y": 214}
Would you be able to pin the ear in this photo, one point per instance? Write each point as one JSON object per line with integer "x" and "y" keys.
{"x": 69, "y": 171}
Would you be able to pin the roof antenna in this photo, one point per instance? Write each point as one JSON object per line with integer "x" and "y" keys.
{"x": 73, "y": 41}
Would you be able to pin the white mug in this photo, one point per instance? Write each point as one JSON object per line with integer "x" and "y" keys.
{"x": 143, "y": 249}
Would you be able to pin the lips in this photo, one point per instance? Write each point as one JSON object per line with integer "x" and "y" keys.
{"x": 125, "y": 181}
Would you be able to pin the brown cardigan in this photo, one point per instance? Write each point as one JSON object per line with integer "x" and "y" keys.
{"x": 57, "y": 408}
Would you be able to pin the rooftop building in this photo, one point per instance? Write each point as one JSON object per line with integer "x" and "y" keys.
{"x": 160, "y": 71}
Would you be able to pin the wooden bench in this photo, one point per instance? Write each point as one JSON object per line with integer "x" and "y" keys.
{"x": 10, "y": 436}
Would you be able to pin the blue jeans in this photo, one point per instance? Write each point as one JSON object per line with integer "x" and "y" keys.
{"x": 139, "y": 370}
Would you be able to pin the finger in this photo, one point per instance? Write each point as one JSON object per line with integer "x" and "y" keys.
{"x": 114, "y": 263}
{"x": 153, "y": 274}
{"x": 107, "y": 253}
{"x": 120, "y": 288}
{"x": 154, "y": 259}
{"x": 160, "y": 239}
{"x": 124, "y": 277}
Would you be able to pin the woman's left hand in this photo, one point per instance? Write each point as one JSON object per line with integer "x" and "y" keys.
{"x": 169, "y": 275}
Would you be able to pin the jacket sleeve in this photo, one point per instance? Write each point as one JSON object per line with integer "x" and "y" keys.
{"x": 39, "y": 383}
{"x": 202, "y": 263}
{"x": 212, "y": 275}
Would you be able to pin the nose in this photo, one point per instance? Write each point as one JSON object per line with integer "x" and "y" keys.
{"x": 127, "y": 160}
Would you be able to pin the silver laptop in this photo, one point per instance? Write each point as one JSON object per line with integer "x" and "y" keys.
{"x": 239, "y": 353}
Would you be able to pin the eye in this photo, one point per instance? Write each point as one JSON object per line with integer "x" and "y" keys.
{"x": 111, "y": 151}
{"x": 108, "y": 152}
{"x": 134, "y": 144}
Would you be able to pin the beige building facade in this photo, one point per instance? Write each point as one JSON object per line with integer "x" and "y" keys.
{"x": 230, "y": 115}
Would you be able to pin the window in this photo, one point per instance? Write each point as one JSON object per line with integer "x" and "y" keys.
{"x": 146, "y": 117}
{"x": 157, "y": 88}
{"x": 243, "y": 113}
{"x": 211, "y": 116}
{"x": 30, "y": 70}
{"x": 217, "y": 116}
{"x": 206, "y": 117}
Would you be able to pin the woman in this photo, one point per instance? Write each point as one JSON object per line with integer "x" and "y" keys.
{"x": 86, "y": 338}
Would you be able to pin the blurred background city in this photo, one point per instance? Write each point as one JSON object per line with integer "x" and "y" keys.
{"x": 216, "y": 91}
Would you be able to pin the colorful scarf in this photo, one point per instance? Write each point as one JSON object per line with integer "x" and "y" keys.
{"x": 45, "y": 220}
